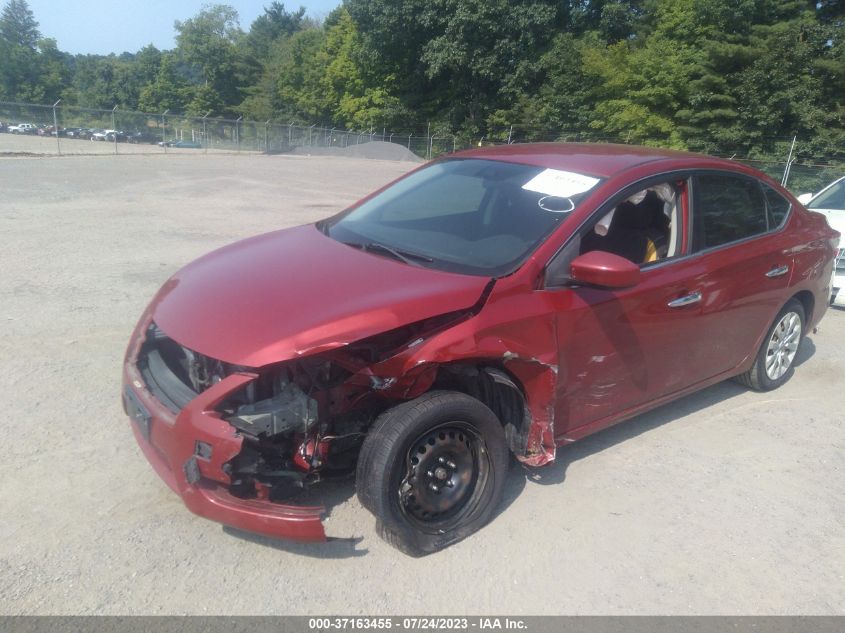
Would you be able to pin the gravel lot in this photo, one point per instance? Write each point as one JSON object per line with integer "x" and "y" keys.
{"x": 726, "y": 502}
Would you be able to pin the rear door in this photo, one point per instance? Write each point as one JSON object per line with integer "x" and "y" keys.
{"x": 746, "y": 263}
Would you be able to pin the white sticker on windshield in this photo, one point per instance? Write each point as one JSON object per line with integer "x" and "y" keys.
{"x": 554, "y": 182}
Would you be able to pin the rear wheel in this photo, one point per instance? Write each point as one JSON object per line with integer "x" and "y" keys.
{"x": 775, "y": 360}
{"x": 432, "y": 471}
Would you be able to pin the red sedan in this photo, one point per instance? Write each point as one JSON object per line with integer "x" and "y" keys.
{"x": 507, "y": 300}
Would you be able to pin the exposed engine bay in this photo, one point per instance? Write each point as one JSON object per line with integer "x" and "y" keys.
{"x": 305, "y": 420}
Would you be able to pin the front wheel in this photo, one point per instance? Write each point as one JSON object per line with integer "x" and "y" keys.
{"x": 775, "y": 360}
{"x": 432, "y": 471}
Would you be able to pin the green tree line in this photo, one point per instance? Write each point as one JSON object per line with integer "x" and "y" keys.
{"x": 718, "y": 76}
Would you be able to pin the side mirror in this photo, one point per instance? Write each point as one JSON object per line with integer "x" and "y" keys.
{"x": 804, "y": 198}
{"x": 606, "y": 270}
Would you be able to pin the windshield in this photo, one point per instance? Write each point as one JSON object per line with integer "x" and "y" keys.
{"x": 471, "y": 216}
{"x": 832, "y": 198}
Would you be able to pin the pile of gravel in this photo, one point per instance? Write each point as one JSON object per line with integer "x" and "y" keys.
{"x": 379, "y": 150}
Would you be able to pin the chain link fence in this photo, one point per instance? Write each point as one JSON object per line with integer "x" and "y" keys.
{"x": 69, "y": 130}
{"x": 66, "y": 130}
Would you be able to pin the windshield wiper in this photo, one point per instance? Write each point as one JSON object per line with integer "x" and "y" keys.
{"x": 407, "y": 257}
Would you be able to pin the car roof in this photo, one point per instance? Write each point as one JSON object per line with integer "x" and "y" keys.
{"x": 596, "y": 159}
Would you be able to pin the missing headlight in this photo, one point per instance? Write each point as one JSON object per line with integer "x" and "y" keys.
{"x": 289, "y": 410}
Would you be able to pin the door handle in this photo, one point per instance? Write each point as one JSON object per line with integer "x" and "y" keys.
{"x": 694, "y": 297}
{"x": 778, "y": 272}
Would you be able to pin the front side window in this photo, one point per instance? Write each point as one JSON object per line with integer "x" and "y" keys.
{"x": 470, "y": 216}
{"x": 643, "y": 228}
{"x": 727, "y": 208}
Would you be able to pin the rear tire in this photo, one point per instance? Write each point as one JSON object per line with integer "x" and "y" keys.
{"x": 432, "y": 471}
{"x": 775, "y": 360}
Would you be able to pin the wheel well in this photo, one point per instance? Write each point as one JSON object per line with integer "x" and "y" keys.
{"x": 808, "y": 302}
{"x": 498, "y": 390}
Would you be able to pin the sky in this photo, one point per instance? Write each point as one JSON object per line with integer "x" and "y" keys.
{"x": 115, "y": 26}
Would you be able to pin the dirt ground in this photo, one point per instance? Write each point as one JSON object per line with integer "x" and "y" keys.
{"x": 725, "y": 502}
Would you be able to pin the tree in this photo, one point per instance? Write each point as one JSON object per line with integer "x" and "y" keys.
{"x": 166, "y": 92}
{"x": 466, "y": 58}
{"x": 276, "y": 22}
{"x": 206, "y": 44}
{"x": 18, "y": 26}
{"x": 19, "y": 48}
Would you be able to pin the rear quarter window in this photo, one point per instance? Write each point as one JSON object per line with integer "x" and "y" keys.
{"x": 777, "y": 207}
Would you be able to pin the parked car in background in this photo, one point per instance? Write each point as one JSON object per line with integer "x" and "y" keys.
{"x": 100, "y": 134}
{"x": 23, "y": 128}
{"x": 142, "y": 137}
{"x": 186, "y": 144}
{"x": 502, "y": 301}
{"x": 831, "y": 202}
{"x": 115, "y": 135}
{"x": 4, "y": 127}
{"x": 78, "y": 132}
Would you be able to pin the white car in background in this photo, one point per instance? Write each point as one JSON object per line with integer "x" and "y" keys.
{"x": 831, "y": 202}
{"x": 101, "y": 135}
{"x": 22, "y": 128}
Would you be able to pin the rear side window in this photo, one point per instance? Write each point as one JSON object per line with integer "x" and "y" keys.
{"x": 727, "y": 209}
{"x": 777, "y": 207}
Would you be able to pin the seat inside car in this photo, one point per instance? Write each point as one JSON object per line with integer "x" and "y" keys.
{"x": 638, "y": 232}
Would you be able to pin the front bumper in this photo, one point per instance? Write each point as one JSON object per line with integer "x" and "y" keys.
{"x": 177, "y": 448}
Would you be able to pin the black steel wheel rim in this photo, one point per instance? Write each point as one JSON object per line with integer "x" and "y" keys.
{"x": 446, "y": 471}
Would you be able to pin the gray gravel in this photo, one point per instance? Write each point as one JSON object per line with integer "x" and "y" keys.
{"x": 725, "y": 502}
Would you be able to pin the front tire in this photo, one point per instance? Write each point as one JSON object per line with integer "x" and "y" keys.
{"x": 775, "y": 360}
{"x": 432, "y": 471}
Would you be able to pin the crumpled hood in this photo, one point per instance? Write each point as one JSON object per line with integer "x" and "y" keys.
{"x": 295, "y": 292}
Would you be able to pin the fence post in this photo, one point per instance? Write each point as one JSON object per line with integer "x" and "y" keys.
{"x": 114, "y": 127}
{"x": 409, "y": 141}
{"x": 510, "y": 135}
{"x": 56, "y": 127}
{"x": 164, "y": 130}
{"x": 266, "y": 127}
{"x": 205, "y": 133}
{"x": 238, "y": 133}
{"x": 788, "y": 167}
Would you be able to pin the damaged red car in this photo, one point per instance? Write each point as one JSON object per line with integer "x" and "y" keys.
{"x": 504, "y": 301}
